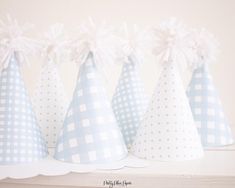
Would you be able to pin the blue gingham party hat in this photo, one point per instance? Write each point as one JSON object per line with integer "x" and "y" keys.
{"x": 130, "y": 100}
{"x": 167, "y": 131}
{"x": 205, "y": 103}
{"x": 20, "y": 138}
{"x": 49, "y": 99}
{"x": 90, "y": 133}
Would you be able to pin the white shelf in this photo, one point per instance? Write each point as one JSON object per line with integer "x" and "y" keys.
{"x": 215, "y": 170}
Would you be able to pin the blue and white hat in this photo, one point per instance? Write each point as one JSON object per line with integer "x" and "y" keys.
{"x": 205, "y": 103}
{"x": 90, "y": 133}
{"x": 129, "y": 100}
{"x": 21, "y": 140}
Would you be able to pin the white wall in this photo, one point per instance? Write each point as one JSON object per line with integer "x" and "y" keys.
{"x": 218, "y": 16}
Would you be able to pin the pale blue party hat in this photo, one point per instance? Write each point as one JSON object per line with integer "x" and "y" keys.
{"x": 90, "y": 133}
{"x": 20, "y": 138}
{"x": 207, "y": 110}
{"x": 129, "y": 100}
{"x": 205, "y": 103}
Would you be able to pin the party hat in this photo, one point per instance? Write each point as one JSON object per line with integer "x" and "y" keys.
{"x": 20, "y": 137}
{"x": 205, "y": 103}
{"x": 168, "y": 131}
{"x": 90, "y": 133}
{"x": 50, "y": 101}
{"x": 130, "y": 100}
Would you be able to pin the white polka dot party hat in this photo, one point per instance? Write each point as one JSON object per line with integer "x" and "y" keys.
{"x": 90, "y": 133}
{"x": 50, "y": 100}
{"x": 130, "y": 101}
{"x": 20, "y": 138}
{"x": 168, "y": 131}
{"x": 205, "y": 103}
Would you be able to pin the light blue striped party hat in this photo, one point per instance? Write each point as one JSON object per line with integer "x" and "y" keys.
{"x": 205, "y": 103}
{"x": 20, "y": 138}
{"x": 207, "y": 110}
{"x": 90, "y": 133}
{"x": 129, "y": 100}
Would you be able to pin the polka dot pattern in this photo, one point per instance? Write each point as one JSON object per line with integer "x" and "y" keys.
{"x": 168, "y": 132}
{"x": 20, "y": 138}
{"x": 129, "y": 101}
{"x": 50, "y": 103}
{"x": 207, "y": 110}
{"x": 90, "y": 133}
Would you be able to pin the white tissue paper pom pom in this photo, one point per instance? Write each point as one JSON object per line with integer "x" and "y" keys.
{"x": 14, "y": 41}
{"x": 205, "y": 47}
{"x": 137, "y": 42}
{"x": 56, "y": 44}
{"x": 172, "y": 43}
{"x": 98, "y": 39}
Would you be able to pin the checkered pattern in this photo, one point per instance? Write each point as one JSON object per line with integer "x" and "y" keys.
{"x": 207, "y": 110}
{"x": 50, "y": 103}
{"x": 90, "y": 133}
{"x": 20, "y": 138}
{"x": 129, "y": 101}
